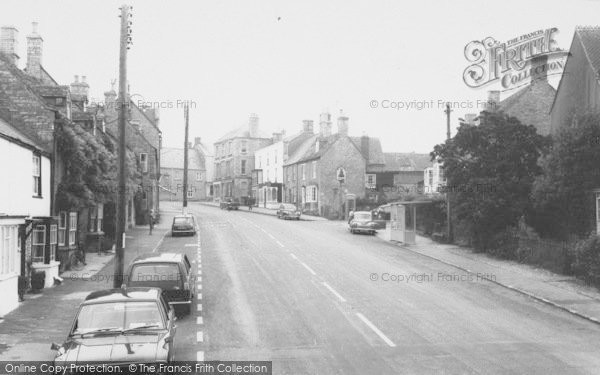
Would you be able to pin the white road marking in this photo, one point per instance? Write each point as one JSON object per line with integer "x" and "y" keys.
{"x": 190, "y": 244}
{"x": 279, "y": 243}
{"x": 199, "y": 307}
{"x": 199, "y": 279}
{"x": 199, "y": 336}
{"x": 199, "y": 296}
{"x": 200, "y": 356}
{"x": 293, "y": 256}
{"x": 376, "y": 330}
{"x": 199, "y": 286}
{"x": 308, "y": 268}
{"x": 339, "y": 296}
{"x": 270, "y": 235}
{"x": 160, "y": 242}
{"x": 199, "y": 320}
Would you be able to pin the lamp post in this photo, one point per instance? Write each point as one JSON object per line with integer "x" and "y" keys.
{"x": 447, "y": 111}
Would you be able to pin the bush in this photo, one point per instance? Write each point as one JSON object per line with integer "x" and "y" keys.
{"x": 503, "y": 245}
{"x": 586, "y": 263}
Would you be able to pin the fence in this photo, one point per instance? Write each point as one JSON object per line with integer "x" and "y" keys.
{"x": 549, "y": 254}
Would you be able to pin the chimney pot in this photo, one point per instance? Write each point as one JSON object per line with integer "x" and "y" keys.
{"x": 325, "y": 125}
{"x": 9, "y": 43}
{"x": 76, "y": 79}
{"x": 253, "y": 125}
{"x": 343, "y": 124}
{"x": 307, "y": 126}
{"x": 35, "y": 45}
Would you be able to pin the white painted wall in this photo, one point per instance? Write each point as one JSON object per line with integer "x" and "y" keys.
{"x": 274, "y": 169}
{"x": 431, "y": 186}
{"x": 16, "y": 189}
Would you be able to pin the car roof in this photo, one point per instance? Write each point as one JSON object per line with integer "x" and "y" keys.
{"x": 362, "y": 212}
{"x": 183, "y": 216}
{"x": 123, "y": 294}
{"x": 159, "y": 258}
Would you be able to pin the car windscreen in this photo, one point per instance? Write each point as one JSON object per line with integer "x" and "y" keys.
{"x": 118, "y": 316}
{"x": 182, "y": 220}
{"x": 155, "y": 274}
{"x": 288, "y": 207}
{"x": 362, "y": 217}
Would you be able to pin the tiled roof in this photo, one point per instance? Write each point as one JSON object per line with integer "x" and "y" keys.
{"x": 375, "y": 151}
{"x": 303, "y": 148}
{"x": 396, "y": 161}
{"x": 9, "y": 130}
{"x": 590, "y": 40}
{"x": 52, "y": 91}
{"x": 173, "y": 158}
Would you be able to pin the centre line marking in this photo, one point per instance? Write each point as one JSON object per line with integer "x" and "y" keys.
{"x": 280, "y": 244}
{"x": 200, "y": 356}
{"x": 339, "y": 296}
{"x": 270, "y": 235}
{"x": 190, "y": 244}
{"x": 376, "y": 330}
{"x": 199, "y": 337}
{"x": 308, "y": 268}
{"x": 199, "y": 307}
{"x": 293, "y": 256}
{"x": 199, "y": 320}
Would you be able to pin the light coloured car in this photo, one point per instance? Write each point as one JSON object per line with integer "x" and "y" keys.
{"x": 362, "y": 222}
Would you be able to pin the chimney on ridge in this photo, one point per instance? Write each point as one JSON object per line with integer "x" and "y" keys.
{"x": 9, "y": 43}
{"x": 35, "y": 44}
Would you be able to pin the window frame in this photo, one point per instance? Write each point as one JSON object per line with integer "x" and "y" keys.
{"x": 144, "y": 161}
{"x": 37, "y": 174}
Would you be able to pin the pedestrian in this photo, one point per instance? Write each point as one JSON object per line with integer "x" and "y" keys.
{"x": 151, "y": 220}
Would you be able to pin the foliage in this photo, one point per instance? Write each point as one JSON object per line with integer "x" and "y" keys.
{"x": 586, "y": 264}
{"x": 490, "y": 170}
{"x": 90, "y": 167}
{"x": 562, "y": 196}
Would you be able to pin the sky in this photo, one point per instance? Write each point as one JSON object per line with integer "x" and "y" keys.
{"x": 289, "y": 61}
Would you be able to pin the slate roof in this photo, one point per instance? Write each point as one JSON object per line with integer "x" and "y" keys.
{"x": 409, "y": 177}
{"x": 52, "y": 91}
{"x": 173, "y": 158}
{"x": 243, "y": 132}
{"x": 397, "y": 161}
{"x": 375, "y": 151}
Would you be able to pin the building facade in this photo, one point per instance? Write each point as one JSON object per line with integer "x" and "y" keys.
{"x": 171, "y": 183}
{"x": 234, "y": 161}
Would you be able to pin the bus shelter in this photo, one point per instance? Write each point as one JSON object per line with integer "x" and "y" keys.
{"x": 403, "y": 221}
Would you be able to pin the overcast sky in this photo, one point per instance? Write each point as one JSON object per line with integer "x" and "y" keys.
{"x": 289, "y": 61}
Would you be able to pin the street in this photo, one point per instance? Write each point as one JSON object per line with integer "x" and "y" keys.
{"x": 303, "y": 294}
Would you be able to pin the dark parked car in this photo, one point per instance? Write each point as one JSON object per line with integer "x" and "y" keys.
{"x": 362, "y": 221}
{"x": 170, "y": 272}
{"x": 183, "y": 224}
{"x": 288, "y": 211}
{"x": 120, "y": 326}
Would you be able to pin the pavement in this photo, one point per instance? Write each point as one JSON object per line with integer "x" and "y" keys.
{"x": 564, "y": 292}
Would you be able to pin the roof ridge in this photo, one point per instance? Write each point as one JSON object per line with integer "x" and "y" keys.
{"x": 585, "y": 49}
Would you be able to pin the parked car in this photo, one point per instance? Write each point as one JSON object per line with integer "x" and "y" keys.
{"x": 229, "y": 204}
{"x": 362, "y": 221}
{"x": 183, "y": 224}
{"x": 133, "y": 325}
{"x": 288, "y": 211}
{"x": 171, "y": 272}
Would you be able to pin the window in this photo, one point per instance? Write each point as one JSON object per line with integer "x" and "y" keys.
{"x": 441, "y": 176}
{"x": 53, "y": 238}
{"x": 268, "y": 175}
{"x": 9, "y": 242}
{"x": 62, "y": 228}
{"x": 302, "y": 167}
{"x": 144, "y": 162}
{"x": 244, "y": 148}
{"x": 38, "y": 243}
{"x": 59, "y": 101}
{"x": 228, "y": 168}
{"x": 314, "y": 169}
{"x": 275, "y": 177}
{"x": 267, "y": 160}
{"x": 190, "y": 193}
{"x": 229, "y": 148}
{"x": 96, "y": 216}
{"x": 103, "y": 126}
{"x": 243, "y": 166}
{"x": 72, "y": 227}
{"x": 430, "y": 177}
{"x": 37, "y": 176}
{"x": 275, "y": 158}
{"x": 371, "y": 180}
{"x": 259, "y": 162}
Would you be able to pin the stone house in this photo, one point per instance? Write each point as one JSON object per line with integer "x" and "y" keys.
{"x": 171, "y": 170}
{"x": 234, "y": 161}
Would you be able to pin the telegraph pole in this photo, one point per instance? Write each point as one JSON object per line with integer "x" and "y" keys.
{"x": 186, "y": 113}
{"x": 123, "y": 101}
{"x": 448, "y": 136}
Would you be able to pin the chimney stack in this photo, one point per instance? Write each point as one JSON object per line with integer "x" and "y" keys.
{"x": 253, "y": 125}
{"x": 493, "y": 100}
{"x": 277, "y": 137}
{"x": 110, "y": 98}
{"x": 365, "y": 147}
{"x": 342, "y": 124}
{"x": 34, "y": 52}
{"x": 9, "y": 43}
{"x": 325, "y": 125}
{"x": 470, "y": 118}
{"x": 197, "y": 141}
{"x": 307, "y": 126}
{"x": 539, "y": 69}
{"x": 80, "y": 90}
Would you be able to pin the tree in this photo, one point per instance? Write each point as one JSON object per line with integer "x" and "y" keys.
{"x": 563, "y": 202}
{"x": 490, "y": 169}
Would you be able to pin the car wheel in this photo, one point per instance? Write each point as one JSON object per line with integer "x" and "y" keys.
{"x": 352, "y": 231}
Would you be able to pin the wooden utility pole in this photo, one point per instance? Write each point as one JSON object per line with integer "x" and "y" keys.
{"x": 186, "y": 112}
{"x": 122, "y": 192}
{"x": 448, "y": 188}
